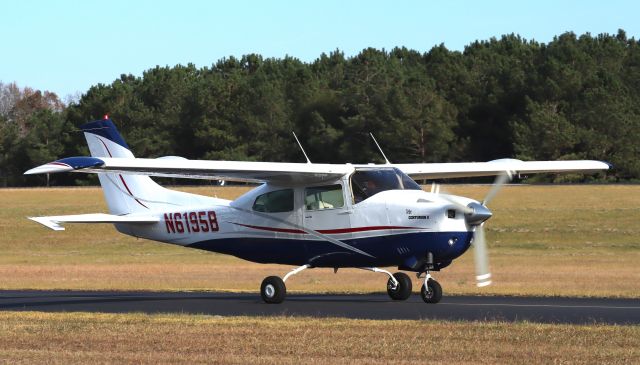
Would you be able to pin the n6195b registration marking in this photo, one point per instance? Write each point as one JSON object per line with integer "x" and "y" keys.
{"x": 191, "y": 222}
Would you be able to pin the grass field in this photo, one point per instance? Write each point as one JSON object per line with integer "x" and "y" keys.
{"x": 82, "y": 338}
{"x": 543, "y": 240}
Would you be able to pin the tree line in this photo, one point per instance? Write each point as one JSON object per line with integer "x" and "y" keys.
{"x": 576, "y": 97}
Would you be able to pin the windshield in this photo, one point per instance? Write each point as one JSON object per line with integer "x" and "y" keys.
{"x": 367, "y": 182}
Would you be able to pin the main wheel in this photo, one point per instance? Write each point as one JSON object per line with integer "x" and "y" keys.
{"x": 273, "y": 290}
{"x": 432, "y": 293}
{"x": 403, "y": 290}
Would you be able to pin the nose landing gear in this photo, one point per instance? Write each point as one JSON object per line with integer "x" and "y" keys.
{"x": 399, "y": 285}
{"x": 431, "y": 291}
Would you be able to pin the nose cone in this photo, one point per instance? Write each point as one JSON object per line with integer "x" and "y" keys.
{"x": 480, "y": 214}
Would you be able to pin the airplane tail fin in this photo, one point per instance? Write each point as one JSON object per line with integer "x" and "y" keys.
{"x": 124, "y": 194}
{"x": 133, "y": 200}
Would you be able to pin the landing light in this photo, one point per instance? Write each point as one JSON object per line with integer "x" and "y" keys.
{"x": 452, "y": 241}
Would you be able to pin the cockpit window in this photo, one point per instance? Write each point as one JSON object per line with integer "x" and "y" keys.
{"x": 323, "y": 197}
{"x": 367, "y": 182}
{"x": 274, "y": 201}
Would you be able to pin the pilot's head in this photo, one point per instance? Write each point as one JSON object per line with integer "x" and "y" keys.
{"x": 371, "y": 187}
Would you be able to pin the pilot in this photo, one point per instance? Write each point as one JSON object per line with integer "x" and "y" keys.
{"x": 372, "y": 188}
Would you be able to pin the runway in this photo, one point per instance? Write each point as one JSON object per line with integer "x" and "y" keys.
{"x": 365, "y": 306}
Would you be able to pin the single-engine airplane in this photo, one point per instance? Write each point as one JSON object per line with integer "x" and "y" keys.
{"x": 303, "y": 214}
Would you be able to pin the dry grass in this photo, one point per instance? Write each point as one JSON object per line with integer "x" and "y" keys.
{"x": 80, "y": 338}
{"x": 544, "y": 240}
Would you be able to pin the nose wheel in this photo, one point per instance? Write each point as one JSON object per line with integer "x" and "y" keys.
{"x": 431, "y": 291}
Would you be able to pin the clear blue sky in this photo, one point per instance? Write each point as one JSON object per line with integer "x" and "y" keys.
{"x": 67, "y": 46}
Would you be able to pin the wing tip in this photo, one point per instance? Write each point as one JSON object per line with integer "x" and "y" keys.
{"x": 49, "y": 168}
{"x": 65, "y": 165}
{"x": 45, "y": 221}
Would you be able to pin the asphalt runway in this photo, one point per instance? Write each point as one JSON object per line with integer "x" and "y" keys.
{"x": 365, "y": 306}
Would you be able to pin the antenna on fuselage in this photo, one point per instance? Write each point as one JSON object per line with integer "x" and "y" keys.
{"x": 302, "y": 149}
{"x": 380, "y": 149}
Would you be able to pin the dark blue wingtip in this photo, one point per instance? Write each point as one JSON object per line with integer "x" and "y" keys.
{"x": 81, "y": 162}
{"x": 105, "y": 128}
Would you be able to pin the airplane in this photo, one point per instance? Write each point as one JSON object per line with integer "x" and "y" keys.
{"x": 308, "y": 215}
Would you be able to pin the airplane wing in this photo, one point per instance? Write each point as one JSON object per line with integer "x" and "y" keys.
{"x": 301, "y": 173}
{"x": 55, "y": 222}
{"x": 497, "y": 167}
{"x": 274, "y": 172}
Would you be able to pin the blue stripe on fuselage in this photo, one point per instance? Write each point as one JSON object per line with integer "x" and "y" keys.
{"x": 326, "y": 254}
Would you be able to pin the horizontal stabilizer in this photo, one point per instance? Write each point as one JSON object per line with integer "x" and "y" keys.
{"x": 55, "y": 222}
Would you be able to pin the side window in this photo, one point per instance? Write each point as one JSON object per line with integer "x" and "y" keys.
{"x": 274, "y": 202}
{"x": 323, "y": 197}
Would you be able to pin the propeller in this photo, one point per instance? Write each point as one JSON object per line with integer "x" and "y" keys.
{"x": 481, "y": 257}
{"x": 497, "y": 185}
{"x": 476, "y": 214}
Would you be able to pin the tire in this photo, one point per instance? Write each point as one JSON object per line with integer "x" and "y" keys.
{"x": 403, "y": 290}
{"x": 273, "y": 290}
{"x": 433, "y": 293}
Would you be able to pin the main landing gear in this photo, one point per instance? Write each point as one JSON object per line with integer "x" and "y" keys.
{"x": 273, "y": 289}
{"x": 398, "y": 286}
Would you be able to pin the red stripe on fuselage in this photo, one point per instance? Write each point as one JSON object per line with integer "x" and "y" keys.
{"x": 272, "y": 229}
{"x": 363, "y": 229}
{"x": 328, "y": 231}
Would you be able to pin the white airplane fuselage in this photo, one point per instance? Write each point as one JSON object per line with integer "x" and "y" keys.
{"x": 390, "y": 228}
